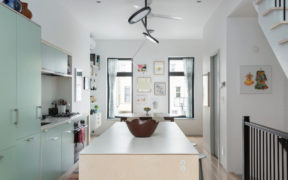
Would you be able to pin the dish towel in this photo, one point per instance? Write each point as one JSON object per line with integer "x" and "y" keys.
{"x": 81, "y": 135}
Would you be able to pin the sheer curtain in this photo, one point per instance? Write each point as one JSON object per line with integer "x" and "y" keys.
{"x": 112, "y": 72}
{"x": 188, "y": 73}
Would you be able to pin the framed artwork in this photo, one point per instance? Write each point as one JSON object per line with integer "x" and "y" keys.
{"x": 256, "y": 79}
{"x": 142, "y": 67}
{"x": 144, "y": 84}
{"x": 141, "y": 98}
{"x": 206, "y": 89}
{"x": 160, "y": 89}
{"x": 159, "y": 67}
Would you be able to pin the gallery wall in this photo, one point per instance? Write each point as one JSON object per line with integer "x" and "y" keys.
{"x": 147, "y": 53}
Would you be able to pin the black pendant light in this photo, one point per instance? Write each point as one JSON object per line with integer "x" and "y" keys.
{"x": 151, "y": 38}
{"x": 139, "y": 15}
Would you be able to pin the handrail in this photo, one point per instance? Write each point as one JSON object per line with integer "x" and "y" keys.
{"x": 267, "y": 129}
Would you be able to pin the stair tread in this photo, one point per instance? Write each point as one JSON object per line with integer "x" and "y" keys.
{"x": 279, "y": 24}
{"x": 283, "y": 42}
{"x": 259, "y": 1}
{"x": 273, "y": 9}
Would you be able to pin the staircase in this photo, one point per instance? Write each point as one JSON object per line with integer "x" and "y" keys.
{"x": 272, "y": 17}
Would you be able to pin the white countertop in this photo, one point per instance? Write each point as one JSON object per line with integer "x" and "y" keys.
{"x": 56, "y": 121}
{"x": 167, "y": 139}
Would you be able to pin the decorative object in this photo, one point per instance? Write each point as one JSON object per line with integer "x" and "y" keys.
{"x": 61, "y": 105}
{"x": 159, "y": 88}
{"x": 78, "y": 84}
{"x": 141, "y": 98}
{"x": 144, "y": 84}
{"x": 142, "y": 68}
{"x": 256, "y": 79}
{"x": 159, "y": 68}
{"x": 206, "y": 89}
{"x": 96, "y": 107}
{"x": 25, "y": 11}
{"x": 147, "y": 109}
{"x": 14, "y": 4}
{"x": 142, "y": 127}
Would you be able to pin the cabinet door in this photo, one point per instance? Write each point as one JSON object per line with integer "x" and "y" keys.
{"x": 28, "y": 77}
{"x": 67, "y": 147}
{"x": 7, "y": 164}
{"x": 7, "y": 76}
{"x": 51, "y": 154}
{"x": 28, "y": 152}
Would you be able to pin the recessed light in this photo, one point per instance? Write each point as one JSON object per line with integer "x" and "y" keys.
{"x": 98, "y": 2}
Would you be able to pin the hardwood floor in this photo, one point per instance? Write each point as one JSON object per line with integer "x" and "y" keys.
{"x": 212, "y": 170}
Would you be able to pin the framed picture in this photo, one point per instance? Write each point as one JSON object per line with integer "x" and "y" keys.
{"x": 159, "y": 67}
{"x": 206, "y": 89}
{"x": 144, "y": 84}
{"x": 86, "y": 83}
{"x": 160, "y": 89}
{"x": 256, "y": 79}
{"x": 141, "y": 98}
{"x": 142, "y": 67}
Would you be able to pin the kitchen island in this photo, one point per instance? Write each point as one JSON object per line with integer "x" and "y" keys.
{"x": 118, "y": 155}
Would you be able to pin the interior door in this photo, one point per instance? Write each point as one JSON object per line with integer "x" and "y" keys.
{"x": 8, "y": 73}
{"x": 215, "y": 105}
{"x": 28, "y": 77}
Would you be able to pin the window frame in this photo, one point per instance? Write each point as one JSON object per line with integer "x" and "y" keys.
{"x": 120, "y": 74}
{"x": 181, "y": 74}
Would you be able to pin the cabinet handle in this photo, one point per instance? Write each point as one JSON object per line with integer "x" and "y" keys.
{"x": 1, "y": 157}
{"x": 38, "y": 114}
{"x": 68, "y": 132}
{"x": 30, "y": 139}
{"x": 17, "y": 116}
{"x": 54, "y": 138}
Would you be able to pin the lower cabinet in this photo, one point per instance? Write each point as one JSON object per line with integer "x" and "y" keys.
{"x": 28, "y": 157}
{"x": 67, "y": 147}
{"x": 7, "y": 164}
{"x": 51, "y": 154}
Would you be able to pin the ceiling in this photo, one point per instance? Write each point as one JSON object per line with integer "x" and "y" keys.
{"x": 109, "y": 19}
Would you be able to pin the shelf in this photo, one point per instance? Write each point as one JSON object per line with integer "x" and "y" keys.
{"x": 51, "y": 73}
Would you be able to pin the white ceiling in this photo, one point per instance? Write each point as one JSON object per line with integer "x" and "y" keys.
{"x": 109, "y": 19}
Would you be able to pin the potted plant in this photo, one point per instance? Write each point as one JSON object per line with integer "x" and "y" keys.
{"x": 147, "y": 109}
{"x": 61, "y": 105}
{"x": 96, "y": 108}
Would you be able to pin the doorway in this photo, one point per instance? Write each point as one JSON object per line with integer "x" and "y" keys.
{"x": 215, "y": 105}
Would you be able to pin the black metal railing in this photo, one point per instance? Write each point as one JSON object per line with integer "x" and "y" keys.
{"x": 265, "y": 152}
{"x": 281, "y": 4}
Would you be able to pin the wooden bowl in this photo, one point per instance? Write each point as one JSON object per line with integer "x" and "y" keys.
{"x": 142, "y": 127}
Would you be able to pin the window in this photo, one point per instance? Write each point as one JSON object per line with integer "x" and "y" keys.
{"x": 120, "y": 85}
{"x": 181, "y": 86}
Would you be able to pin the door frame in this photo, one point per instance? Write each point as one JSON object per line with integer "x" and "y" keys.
{"x": 213, "y": 108}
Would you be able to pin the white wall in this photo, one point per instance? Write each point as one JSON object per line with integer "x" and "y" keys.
{"x": 59, "y": 27}
{"x": 215, "y": 39}
{"x": 149, "y": 53}
{"x": 244, "y": 34}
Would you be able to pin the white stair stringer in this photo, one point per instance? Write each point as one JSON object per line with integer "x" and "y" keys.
{"x": 276, "y": 37}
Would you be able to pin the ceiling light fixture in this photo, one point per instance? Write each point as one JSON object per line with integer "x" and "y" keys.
{"x": 151, "y": 38}
{"x": 139, "y": 15}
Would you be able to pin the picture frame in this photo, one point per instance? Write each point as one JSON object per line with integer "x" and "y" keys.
{"x": 256, "y": 79}
{"x": 144, "y": 84}
{"x": 86, "y": 83}
{"x": 142, "y": 68}
{"x": 160, "y": 89}
{"x": 159, "y": 67}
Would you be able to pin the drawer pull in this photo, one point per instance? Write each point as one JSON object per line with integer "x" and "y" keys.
{"x": 1, "y": 157}
{"x": 17, "y": 116}
{"x": 30, "y": 139}
{"x": 54, "y": 138}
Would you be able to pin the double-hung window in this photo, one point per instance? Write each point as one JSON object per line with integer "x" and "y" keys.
{"x": 120, "y": 86}
{"x": 181, "y": 86}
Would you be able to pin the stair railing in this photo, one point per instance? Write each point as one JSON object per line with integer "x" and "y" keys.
{"x": 265, "y": 152}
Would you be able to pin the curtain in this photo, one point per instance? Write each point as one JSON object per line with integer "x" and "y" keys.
{"x": 112, "y": 72}
{"x": 188, "y": 73}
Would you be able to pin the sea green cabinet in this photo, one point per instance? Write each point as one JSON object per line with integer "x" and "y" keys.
{"x": 67, "y": 147}
{"x": 8, "y": 73}
{"x": 7, "y": 164}
{"x": 53, "y": 59}
{"x": 51, "y": 154}
{"x": 20, "y": 77}
{"x": 28, "y": 77}
{"x": 28, "y": 157}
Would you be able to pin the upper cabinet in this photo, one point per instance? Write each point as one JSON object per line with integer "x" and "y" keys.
{"x": 55, "y": 61}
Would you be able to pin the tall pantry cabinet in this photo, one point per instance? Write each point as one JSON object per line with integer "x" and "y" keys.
{"x": 20, "y": 96}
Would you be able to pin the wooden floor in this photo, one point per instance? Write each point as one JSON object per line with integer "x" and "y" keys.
{"x": 212, "y": 170}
